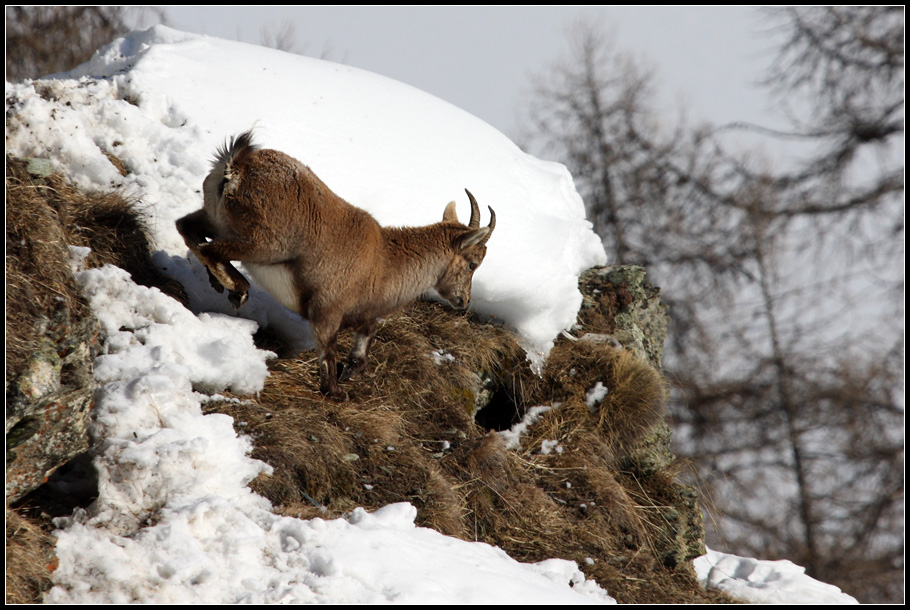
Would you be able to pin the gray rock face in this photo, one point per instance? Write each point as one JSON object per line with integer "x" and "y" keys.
{"x": 52, "y": 341}
{"x": 620, "y": 300}
{"x": 622, "y": 308}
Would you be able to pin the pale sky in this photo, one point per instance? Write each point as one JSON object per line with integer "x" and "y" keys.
{"x": 484, "y": 59}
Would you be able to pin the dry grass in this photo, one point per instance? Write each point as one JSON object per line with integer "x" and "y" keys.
{"x": 39, "y": 283}
{"x": 29, "y": 559}
{"x": 409, "y": 432}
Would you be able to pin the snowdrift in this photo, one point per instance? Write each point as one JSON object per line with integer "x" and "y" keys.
{"x": 161, "y": 101}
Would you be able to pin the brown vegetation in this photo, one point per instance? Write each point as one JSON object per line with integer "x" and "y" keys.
{"x": 605, "y": 498}
{"x": 29, "y": 559}
{"x": 409, "y": 433}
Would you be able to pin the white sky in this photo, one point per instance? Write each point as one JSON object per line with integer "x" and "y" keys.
{"x": 484, "y": 59}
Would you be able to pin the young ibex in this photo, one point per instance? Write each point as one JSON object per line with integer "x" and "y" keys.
{"x": 320, "y": 256}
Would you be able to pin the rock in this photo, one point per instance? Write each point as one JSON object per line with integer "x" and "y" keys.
{"x": 40, "y": 168}
{"x": 52, "y": 431}
{"x": 621, "y": 307}
{"x": 619, "y": 301}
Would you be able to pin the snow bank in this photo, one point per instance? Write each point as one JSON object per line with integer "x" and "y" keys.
{"x": 162, "y": 101}
{"x": 765, "y": 582}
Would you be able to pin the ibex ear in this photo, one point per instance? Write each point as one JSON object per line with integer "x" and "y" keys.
{"x": 477, "y": 236}
{"x": 449, "y": 215}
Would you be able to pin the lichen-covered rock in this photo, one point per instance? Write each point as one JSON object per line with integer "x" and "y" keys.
{"x": 622, "y": 308}
{"x": 48, "y": 406}
{"x": 52, "y": 337}
{"x": 620, "y": 302}
{"x": 52, "y": 431}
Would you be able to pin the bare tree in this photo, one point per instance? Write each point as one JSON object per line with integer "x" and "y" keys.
{"x": 789, "y": 376}
{"x": 838, "y": 221}
{"x": 283, "y": 38}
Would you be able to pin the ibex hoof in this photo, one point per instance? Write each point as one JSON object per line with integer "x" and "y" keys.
{"x": 335, "y": 393}
{"x": 339, "y": 396}
{"x": 237, "y": 298}
{"x": 350, "y": 369}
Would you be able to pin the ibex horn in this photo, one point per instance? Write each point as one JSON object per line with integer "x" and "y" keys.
{"x": 475, "y": 211}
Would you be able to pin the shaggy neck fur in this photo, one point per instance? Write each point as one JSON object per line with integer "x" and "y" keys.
{"x": 417, "y": 257}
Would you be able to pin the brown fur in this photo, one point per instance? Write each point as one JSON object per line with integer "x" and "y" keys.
{"x": 320, "y": 256}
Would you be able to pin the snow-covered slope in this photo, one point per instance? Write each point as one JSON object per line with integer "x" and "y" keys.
{"x": 174, "y": 521}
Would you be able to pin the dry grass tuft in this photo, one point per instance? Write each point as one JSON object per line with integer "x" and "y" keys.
{"x": 40, "y": 288}
{"x": 636, "y": 393}
{"x": 106, "y": 222}
{"x": 29, "y": 559}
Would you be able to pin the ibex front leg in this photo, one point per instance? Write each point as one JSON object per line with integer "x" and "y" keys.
{"x": 196, "y": 229}
{"x": 356, "y": 362}
{"x": 325, "y": 335}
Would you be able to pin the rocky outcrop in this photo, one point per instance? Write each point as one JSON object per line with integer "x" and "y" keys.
{"x": 52, "y": 338}
{"x": 620, "y": 306}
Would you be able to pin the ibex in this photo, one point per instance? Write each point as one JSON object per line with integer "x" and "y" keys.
{"x": 320, "y": 256}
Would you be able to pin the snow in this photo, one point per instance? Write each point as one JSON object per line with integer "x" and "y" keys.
{"x": 549, "y": 446}
{"x": 174, "y": 521}
{"x": 765, "y": 582}
{"x": 441, "y": 357}
{"x": 595, "y": 396}
{"x": 512, "y": 436}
